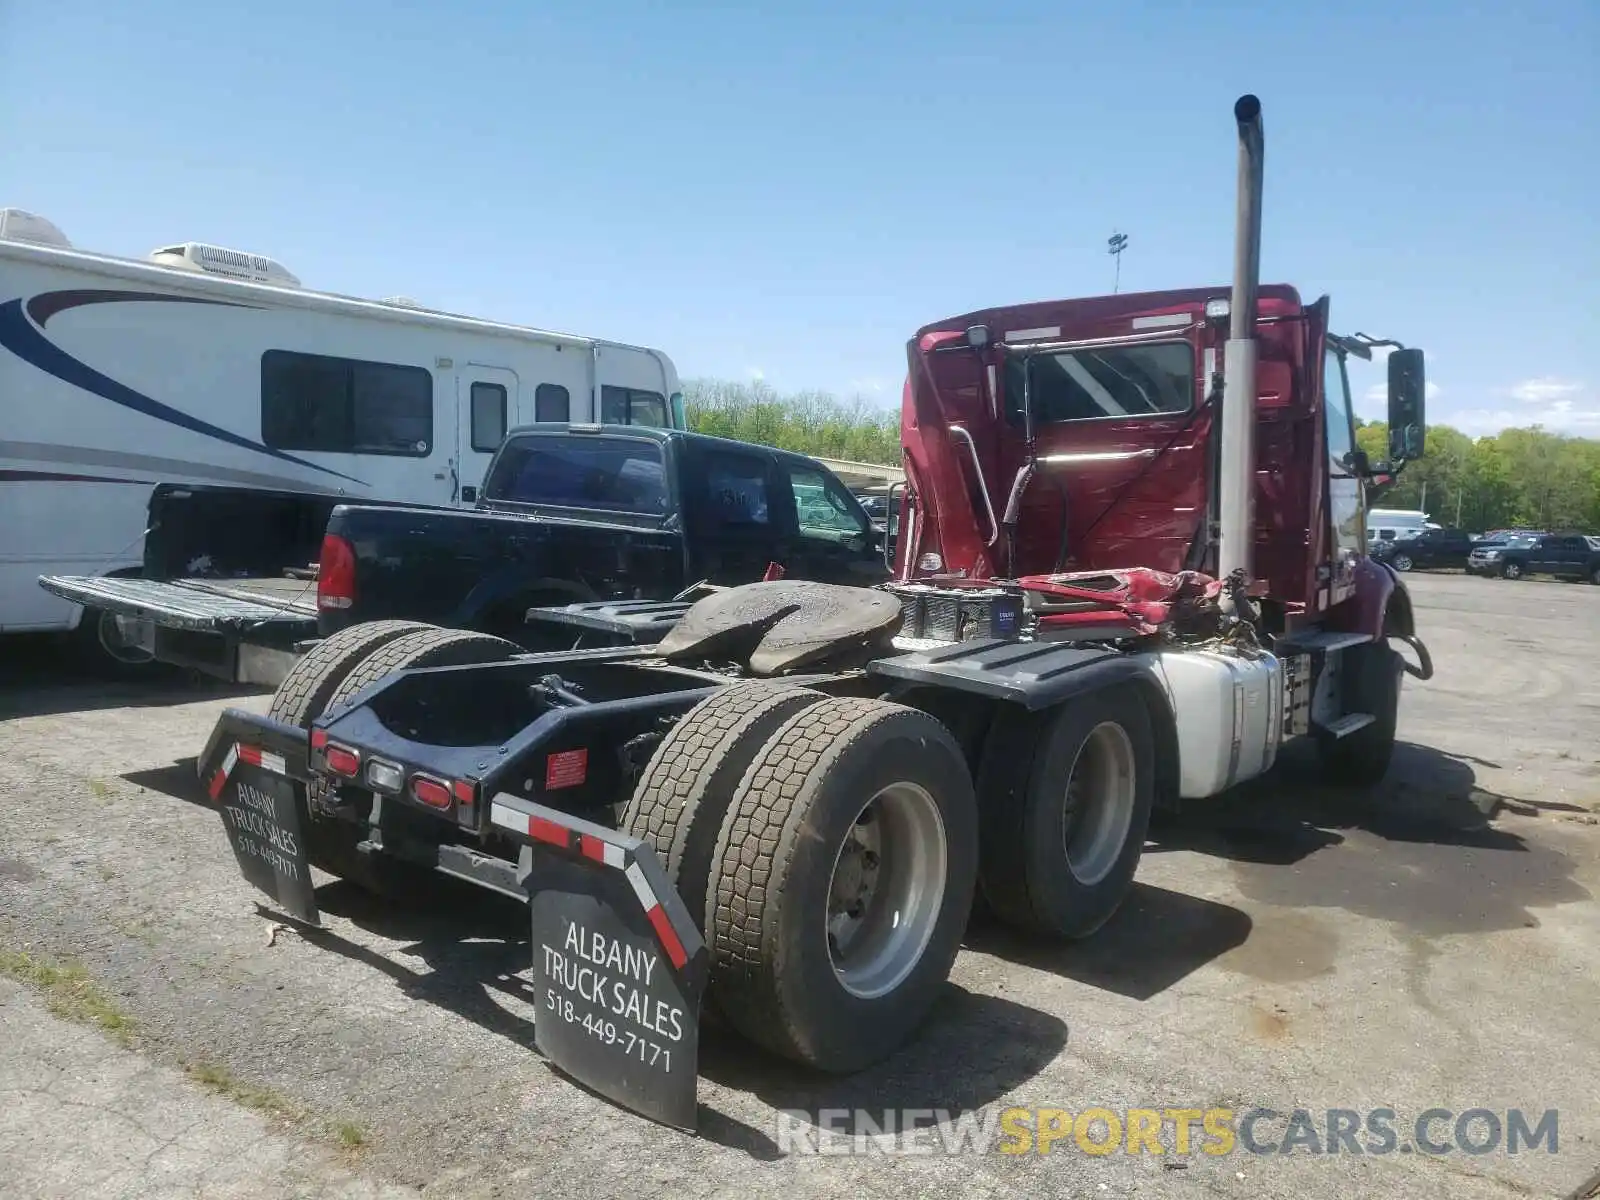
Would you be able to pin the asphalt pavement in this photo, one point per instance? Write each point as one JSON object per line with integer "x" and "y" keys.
{"x": 1288, "y": 948}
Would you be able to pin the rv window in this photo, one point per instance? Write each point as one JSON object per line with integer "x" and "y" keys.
{"x": 631, "y": 406}
{"x": 1116, "y": 383}
{"x": 343, "y": 406}
{"x": 552, "y": 402}
{"x": 488, "y": 417}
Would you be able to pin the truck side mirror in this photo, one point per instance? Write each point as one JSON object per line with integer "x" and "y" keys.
{"x": 1407, "y": 393}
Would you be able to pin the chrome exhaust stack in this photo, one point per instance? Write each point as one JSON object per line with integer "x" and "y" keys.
{"x": 1237, "y": 481}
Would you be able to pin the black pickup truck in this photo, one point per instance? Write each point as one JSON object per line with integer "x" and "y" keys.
{"x": 573, "y": 514}
{"x": 237, "y": 583}
{"x": 1565, "y": 555}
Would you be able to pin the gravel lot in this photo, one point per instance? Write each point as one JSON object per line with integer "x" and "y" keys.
{"x": 1431, "y": 945}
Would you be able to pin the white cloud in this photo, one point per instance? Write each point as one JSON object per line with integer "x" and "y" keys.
{"x": 1545, "y": 390}
{"x": 1561, "y": 416}
{"x": 1378, "y": 393}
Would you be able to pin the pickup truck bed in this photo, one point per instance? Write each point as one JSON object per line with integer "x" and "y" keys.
{"x": 235, "y": 605}
{"x": 181, "y": 619}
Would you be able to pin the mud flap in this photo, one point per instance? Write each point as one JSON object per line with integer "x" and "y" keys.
{"x": 619, "y": 968}
{"x": 249, "y": 770}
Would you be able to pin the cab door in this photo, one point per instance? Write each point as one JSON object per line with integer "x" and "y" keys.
{"x": 833, "y": 540}
{"x": 486, "y": 403}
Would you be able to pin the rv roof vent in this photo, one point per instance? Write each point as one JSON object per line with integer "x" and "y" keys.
{"x": 401, "y": 301}
{"x": 19, "y": 226}
{"x": 231, "y": 264}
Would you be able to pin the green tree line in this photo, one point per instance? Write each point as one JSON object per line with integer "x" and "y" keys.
{"x": 1519, "y": 477}
{"x": 811, "y": 423}
{"x": 1516, "y": 478}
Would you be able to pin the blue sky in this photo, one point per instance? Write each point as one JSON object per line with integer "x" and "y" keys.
{"x": 791, "y": 193}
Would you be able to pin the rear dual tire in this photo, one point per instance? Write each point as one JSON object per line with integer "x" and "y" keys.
{"x": 844, "y": 874}
{"x": 826, "y": 847}
{"x": 329, "y": 675}
{"x": 1067, "y": 801}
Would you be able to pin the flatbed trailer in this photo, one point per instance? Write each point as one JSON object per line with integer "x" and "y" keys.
{"x": 787, "y": 795}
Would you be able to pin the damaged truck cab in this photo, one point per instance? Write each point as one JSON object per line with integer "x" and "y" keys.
{"x": 1085, "y": 435}
{"x": 1172, "y": 465}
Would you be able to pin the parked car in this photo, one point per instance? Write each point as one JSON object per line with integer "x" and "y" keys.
{"x": 1565, "y": 555}
{"x": 1485, "y": 556}
{"x": 1426, "y": 548}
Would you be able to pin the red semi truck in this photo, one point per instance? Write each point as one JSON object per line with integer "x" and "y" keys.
{"x": 1130, "y": 565}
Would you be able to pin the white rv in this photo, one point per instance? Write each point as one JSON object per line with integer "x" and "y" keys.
{"x": 209, "y": 366}
{"x": 1388, "y": 524}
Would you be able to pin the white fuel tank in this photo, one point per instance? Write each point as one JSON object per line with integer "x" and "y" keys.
{"x": 1229, "y": 712}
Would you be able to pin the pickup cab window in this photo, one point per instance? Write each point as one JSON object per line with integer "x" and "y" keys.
{"x": 609, "y": 474}
{"x": 736, "y": 489}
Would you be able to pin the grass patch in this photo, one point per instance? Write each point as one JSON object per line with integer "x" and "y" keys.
{"x": 218, "y": 1079}
{"x": 351, "y": 1136}
{"x": 99, "y": 789}
{"x": 69, "y": 993}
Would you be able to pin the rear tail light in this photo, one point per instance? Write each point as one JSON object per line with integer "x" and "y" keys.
{"x": 342, "y": 761}
{"x": 336, "y": 574}
{"x": 432, "y": 792}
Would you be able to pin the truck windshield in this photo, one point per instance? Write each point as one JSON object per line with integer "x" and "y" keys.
{"x": 611, "y": 474}
{"x": 1115, "y": 382}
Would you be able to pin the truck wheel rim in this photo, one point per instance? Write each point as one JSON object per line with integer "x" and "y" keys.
{"x": 1403, "y": 563}
{"x": 1099, "y": 803}
{"x": 118, "y": 647}
{"x": 887, "y": 890}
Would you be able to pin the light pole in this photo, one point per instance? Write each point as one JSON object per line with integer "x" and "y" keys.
{"x": 1115, "y": 245}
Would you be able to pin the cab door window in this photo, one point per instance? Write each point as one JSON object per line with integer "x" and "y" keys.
{"x": 1336, "y": 411}
{"x": 821, "y": 510}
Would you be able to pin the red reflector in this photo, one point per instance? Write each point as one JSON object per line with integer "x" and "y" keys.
{"x": 543, "y": 830}
{"x": 319, "y": 738}
{"x": 342, "y": 761}
{"x": 463, "y": 791}
{"x": 567, "y": 768}
{"x": 430, "y": 791}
